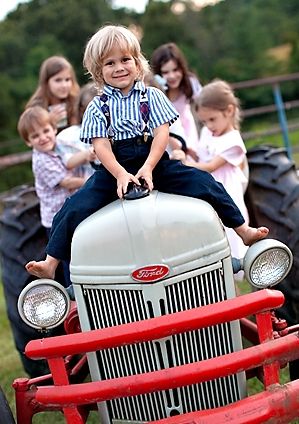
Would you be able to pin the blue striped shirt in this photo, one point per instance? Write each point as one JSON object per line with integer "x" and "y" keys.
{"x": 125, "y": 116}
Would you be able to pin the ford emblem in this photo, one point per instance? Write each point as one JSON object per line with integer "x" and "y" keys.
{"x": 150, "y": 273}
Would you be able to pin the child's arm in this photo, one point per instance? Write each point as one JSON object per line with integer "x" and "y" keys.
{"x": 192, "y": 153}
{"x": 80, "y": 158}
{"x": 72, "y": 183}
{"x": 159, "y": 143}
{"x": 210, "y": 166}
{"x": 102, "y": 147}
{"x": 174, "y": 143}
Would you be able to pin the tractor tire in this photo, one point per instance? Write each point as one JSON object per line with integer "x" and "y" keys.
{"x": 6, "y": 416}
{"x": 272, "y": 199}
{"x": 22, "y": 238}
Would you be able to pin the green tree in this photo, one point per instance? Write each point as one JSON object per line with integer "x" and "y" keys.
{"x": 230, "y": 40}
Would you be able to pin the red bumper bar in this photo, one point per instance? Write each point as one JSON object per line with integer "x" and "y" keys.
{"x": 280, "y": 404}
{"x": 155, "y": 328}
{"x": 282, "y": 350}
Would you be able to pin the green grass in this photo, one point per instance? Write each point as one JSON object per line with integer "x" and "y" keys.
{"x": 11, "y": 368}
{"x": 15, "y": 175}
{"x": 10, "y": 363}
{"x": 274, "y": 140}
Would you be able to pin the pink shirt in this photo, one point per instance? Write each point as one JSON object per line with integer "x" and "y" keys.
{"x": 183, "y": 107}
{"x": 229, "y": 146}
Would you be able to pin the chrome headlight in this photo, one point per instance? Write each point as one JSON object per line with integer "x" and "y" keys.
{"x": 43, "y": 304}
{"x": 267, "y": 262}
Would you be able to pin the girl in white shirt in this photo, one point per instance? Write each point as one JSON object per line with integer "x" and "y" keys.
{"x": 221, "y": 149}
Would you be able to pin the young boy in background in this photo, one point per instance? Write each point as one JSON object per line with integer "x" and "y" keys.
{"x": 53, "y": 181}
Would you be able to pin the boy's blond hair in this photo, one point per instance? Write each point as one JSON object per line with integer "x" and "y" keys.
{"x": 218, "y": 95}
{"x": 32, "y": 117}
{"x": 103, "y": 41}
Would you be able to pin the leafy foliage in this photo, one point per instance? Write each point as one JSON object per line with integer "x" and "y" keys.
{"x": 230, "y": 40}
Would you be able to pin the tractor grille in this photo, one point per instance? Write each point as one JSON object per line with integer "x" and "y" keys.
{"x": 113, "y": 305}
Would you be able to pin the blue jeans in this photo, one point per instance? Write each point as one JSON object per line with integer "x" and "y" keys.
{"x": 62, "y": 275}
{"x": 169, "y": 176}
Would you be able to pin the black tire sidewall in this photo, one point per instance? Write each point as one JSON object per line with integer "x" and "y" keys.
{"x": 6, "y": 416}
{"x": 272, "y": 199}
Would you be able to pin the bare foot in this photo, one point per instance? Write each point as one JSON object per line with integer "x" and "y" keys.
{"x": 43, "y": 269}
{"x": 250, "y": 235}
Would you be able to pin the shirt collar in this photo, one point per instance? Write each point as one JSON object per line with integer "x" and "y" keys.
{"x": 109, "y": 90}
{"x": 50, "y": 153}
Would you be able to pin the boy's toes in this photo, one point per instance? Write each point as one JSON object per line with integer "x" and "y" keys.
{"x": 263, "y": 231}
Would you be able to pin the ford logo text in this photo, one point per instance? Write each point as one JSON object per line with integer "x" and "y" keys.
{"x": 150, "y": 273}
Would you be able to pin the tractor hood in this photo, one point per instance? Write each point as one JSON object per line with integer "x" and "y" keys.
{"x": 179, "y": 232}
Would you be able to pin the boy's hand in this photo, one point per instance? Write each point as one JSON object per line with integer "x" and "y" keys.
{"x": 192, "y": 153}
{"x": 91, "y": 155}
{"x": 145, "y": 173}
{"x": 122, "y": 183}
{"x": 58, "y": 112}
{"x": 178, "y": 154}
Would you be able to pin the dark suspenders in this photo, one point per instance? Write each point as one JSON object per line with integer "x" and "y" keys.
{"x": 144, "y": 110}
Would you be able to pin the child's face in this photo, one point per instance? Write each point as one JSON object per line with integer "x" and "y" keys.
{"x": 120, "y": 70}
{"x": 217, "y": 121}
{"x": 172, "y": 73}
{"x": 60, "y": 84}
{"x": 42, "y": 138}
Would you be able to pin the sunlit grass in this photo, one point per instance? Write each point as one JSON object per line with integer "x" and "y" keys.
{"x": 11, "y": 368}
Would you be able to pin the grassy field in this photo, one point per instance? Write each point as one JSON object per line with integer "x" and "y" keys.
{"x": 11, "y": 368}
{"x": 10, "y": 364}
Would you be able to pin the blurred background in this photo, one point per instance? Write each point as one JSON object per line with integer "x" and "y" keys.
{"x": 235, "y": 40}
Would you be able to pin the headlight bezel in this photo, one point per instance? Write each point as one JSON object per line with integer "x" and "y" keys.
{"x": 262, "y": 248}
{"x": 32, "y": 290}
